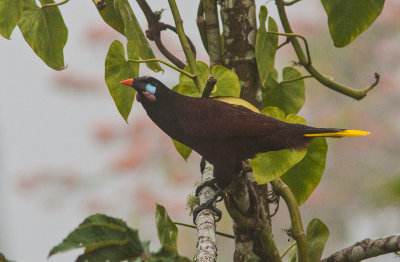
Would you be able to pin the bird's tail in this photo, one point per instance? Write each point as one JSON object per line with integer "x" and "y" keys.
{"x": 333, "y": 132}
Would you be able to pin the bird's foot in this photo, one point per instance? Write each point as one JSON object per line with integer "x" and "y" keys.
{"x": 208, "y": 183}
{"x": 210, "y": 205}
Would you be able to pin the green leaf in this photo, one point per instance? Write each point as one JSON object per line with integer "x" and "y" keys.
{"x": 105, "y": 238}
{"x": 186, "y": 84}
{"x": 349, "y": 18}
{"x": 305, "y": 176}
{"x": 182, "y": 149}
{"x": 45, "y": 32}
{"x": 271, "y": 165}
{"x": 266, "y": 45}
{"x": 316, "y": 237}
{"x": 10, "y": 12}
{"x": 119, "y": 15}
{"x": 111, "y": 16}
{"x": 227, "y": 82}
{"x": 117, "y": 68}
{"x": 287, "y": 96}
{"x": 166, "y": 230}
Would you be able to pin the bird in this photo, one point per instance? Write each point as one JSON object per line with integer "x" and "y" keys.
{"x": 223, "y": 134}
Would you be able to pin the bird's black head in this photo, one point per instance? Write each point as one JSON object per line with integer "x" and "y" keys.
{"x": 148, "y": 88}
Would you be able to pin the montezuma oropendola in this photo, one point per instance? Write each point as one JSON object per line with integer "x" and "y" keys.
{"x": 222, "y": 133}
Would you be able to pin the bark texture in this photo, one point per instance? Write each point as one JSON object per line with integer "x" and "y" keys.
{"x": 239, "y": 34}
{"x": 205, "y": 222}
{"x": 366, "y": 249}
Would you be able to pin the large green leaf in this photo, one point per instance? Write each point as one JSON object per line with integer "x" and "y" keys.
{"x": 316, "y": 237}
{"x": 117, "y": 68}
{"x": 349, "y": 18}
{"x": 305, "y": 176}
{"x": 271, "y": 165}
{"x": 10, "y": 12}
{"x": 287, "y": 96}
{"x": 104, "y": 238}
{"x": 111, "y": 16}
{"x": 266, "y": 45}
{"x": 166, "y": 229}
{"x": 45, "y": 31}
{"x": 227, "y": 82}
{"x": 119, "y": 15}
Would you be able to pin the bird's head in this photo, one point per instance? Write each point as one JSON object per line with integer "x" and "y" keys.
{"x": 148, "y": 88}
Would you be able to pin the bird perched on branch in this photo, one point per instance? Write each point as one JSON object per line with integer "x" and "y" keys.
{"x": 222, "y": 133}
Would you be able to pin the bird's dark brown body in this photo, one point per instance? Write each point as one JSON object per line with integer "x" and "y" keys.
{"x": 222, "y": 133}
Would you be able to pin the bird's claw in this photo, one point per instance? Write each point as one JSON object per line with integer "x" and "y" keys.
{"x": 208, "y": 183}
{"x": 210, "y": 205}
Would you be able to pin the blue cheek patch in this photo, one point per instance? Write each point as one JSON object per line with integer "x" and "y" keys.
{"x": 151, "y": 89}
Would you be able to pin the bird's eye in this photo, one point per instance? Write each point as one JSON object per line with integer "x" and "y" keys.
{"x": 151, "y": 89}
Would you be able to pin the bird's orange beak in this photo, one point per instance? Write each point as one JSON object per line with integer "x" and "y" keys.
{"x": 127, "y": 82}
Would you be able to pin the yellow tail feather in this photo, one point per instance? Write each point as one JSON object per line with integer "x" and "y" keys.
{"x": 341, "y": 133}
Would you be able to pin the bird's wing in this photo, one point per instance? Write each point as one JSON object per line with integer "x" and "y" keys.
{"x": 206, "y": 118}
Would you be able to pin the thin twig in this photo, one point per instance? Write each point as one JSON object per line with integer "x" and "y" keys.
{"x": 216, "y": 232}
{"x": 299, "y": 235}
{"x": 287, "y": 41}
{"x": 366, "y": 249}
{"x": 291, "y": 2}
{"x": 288, "y": 249}
{"x": 354, "y": 93}
{"x": 299, "y": 36}
{"x": 55, "y": 4}
{"x": 192, "y": 76}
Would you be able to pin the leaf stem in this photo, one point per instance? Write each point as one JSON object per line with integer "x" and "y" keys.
{"x": 354, "y": 93}
{"x": 217, "y": 232}
{"x": 296, "y": 79}
{"x": 288, "y": 249}
{"x": 165, "y": 63}
{"x": 199, "y": 82}
{"x": 291, "y": 2}
{"x": 55, "y": 4}
{"x": 299, "y": 235}
{"x": 296, "y": 35}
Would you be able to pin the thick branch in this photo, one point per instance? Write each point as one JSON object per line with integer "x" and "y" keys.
{"x": 185, "y": 45}
{"x": 366, "y": 249}
{"x": 205, "y": 222}
{"x": 213, "y": 34}
{"x": 298, "y": 232}
{"x": 356, "y": 94}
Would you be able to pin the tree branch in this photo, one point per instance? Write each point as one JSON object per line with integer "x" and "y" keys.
{"x": 185, "y": 45}
{"x": 366, "y": 249}
{"x": 165, "y": 63}
{"x": 354, "y": 93}
{"x": 211, "y": 81}
{"x": 154, "y": 32}
{"x": 205, "y": 222}
{"x": 299, "y": 235}
{"x": 201, "y": 25}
